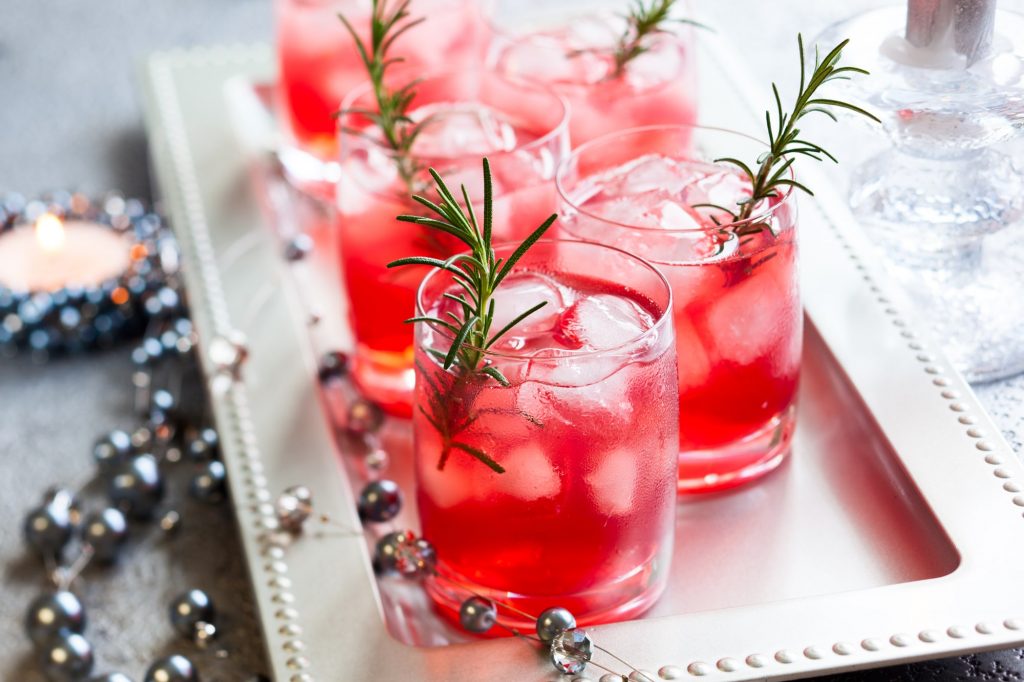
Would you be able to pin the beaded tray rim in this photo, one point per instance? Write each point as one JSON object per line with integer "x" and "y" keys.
{"x": 974, "y": 489}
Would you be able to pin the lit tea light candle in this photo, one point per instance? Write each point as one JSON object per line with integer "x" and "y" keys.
{"x": 54, "y": 255}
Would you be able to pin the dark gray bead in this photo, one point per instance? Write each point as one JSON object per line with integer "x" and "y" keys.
{"x": 66, "y": 657}
{"x": 105, "y": 531}
{"x": 298, "y": 247}
{"x": 477, "y": 615}
{"x": 204, "y": 445}
{"x": 189, "y": 609}
{"x": 380, "y": 501}
{"x": 402, "y": 553}
{"x": 62, "y": 498}
{"x": 553, "y": 622}
{"x": 47, "y": 530}
{"x": 364, "y": 417}
{"x": 333, "y": 365}
{"x": 209, "y": 485}
{"x": 137, "y": 486}
{"x": 110, "y": 677}
{"x": 174, "y": 668}
{"x": 112, "y": 450}
{"x": 50, "y": 613}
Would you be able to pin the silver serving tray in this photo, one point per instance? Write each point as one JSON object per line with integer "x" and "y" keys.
{"x": 894, "y": 532}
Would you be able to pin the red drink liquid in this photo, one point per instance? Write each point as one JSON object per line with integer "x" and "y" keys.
{"x": 657, "y": 87}
{"x": 736, "y": 296}
{"x": 583, "y": 515}
{"x": 520, "y": 129}
{"x": 319, "y": 64}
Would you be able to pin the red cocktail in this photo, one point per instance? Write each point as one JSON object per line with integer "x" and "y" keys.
{"x": 521, "y": 128}
{"x": 736, "y": 293}
{"x": 586, "y": 435}
{"x": 319, "y": 64}
{"x": 577, "y": 60}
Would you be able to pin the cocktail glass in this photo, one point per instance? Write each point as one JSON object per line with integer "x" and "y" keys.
{"x": 576, "y": 59}
{"x": 319, "y": 65}
{"x": 521, "y": 128}
{"x": 581, "y": 515}
{"x": 736, "y": 294}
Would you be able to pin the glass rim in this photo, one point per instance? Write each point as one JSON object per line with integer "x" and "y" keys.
{"x": 609, "y": 137}
{"x": 560, "y": 128}
{"x": 664, "y": 318}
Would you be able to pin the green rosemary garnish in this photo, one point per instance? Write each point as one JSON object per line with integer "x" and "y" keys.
{"x": 391, "y": 116}
{"x": 784, "y": 139}
{"x": 644, "y": 19}
{"x": 478, "y": 273}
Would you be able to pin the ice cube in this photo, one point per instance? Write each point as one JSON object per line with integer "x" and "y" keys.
{"x": 675, "y": 217}
{"x": 715, "y": 185}
{"x": 455, "y": 129}
{"x": 602, "y": 321}
{"x": 519, "y": 292}
{"x": 613, "y": 482}
{"x": 550, "y": 58}
{"x": 693, "y": 361}
{"x": 749, "y": 319}
{"x": 529, "y": 474}
{"x": 652, "y": 172}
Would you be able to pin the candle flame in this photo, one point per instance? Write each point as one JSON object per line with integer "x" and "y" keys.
{"x": 50, "y": 232}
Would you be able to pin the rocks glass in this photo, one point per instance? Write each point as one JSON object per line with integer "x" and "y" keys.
{"x": 521, "y": 128}
{"x": 735, "y": 289}
{"x": 319, "y": 65}
{"x": 558, "y": 489}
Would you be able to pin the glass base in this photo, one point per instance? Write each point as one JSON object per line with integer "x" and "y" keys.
{"x": 308, "y": 172}
{"x": 624, "y": 599}
{"x": 702, "y": 471}
{"x": 385, "y": 378}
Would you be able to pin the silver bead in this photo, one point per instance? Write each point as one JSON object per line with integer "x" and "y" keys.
{"x": 293, "y": 507}
{"x": 375, "y": 460}
{"x": 554, "y": 621}
{"x": 401, "y": 552}
{"x": 66, "y": 657}
{"x": 571, "y": 651}
{"x": 380, "y": 501}
{"x": 50, "y": 613}
{"x": 170, "y": 521}
{"x": 228, "y": 353}
{"x": 105, "y": 531}
{"x": 112, "y": 450}
{"x": 364, "y": 417}
{"x": 209, "y": 485}
{"x": 47, "y": 530}
{"x": 298, "y": 247}
{"x": 137, "y": 486}
{"x": 189, "y": 609}
{"x": 203, "y": 634}
{"x": 142, "y": 438}
{"x": 477, "y": 615}
{"x": 110, "y": 677}
{"x": 174, "y": 668}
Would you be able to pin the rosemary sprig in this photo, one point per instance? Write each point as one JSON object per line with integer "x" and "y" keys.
{"x": 391, "y": 116}
{"x": 784, "y": 139}
{"x": 478, "y": 273}
{"x": 644, "y": 19}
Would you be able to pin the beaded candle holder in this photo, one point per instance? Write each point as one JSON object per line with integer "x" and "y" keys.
{"x": 78, "y": 274}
